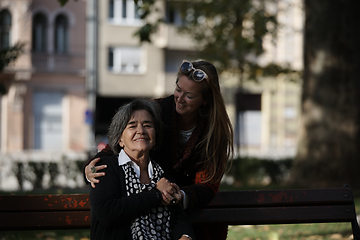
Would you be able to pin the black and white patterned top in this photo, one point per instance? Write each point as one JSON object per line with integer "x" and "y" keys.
{"x": 155, "y": 224}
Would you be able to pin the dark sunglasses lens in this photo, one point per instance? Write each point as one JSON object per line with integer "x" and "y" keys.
{"x": 198, "y": 75}
{"x": 186, "y": 67}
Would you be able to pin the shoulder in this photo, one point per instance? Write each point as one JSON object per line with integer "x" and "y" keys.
{"x": 165, "y": 102}
{"x": 110, "y": 161}
{"x": 167, "y": 106}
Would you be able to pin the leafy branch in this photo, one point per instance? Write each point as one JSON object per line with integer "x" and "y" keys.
{"x": 9, "y": 54}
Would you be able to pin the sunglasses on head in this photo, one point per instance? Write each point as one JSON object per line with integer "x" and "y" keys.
{"x": 198, "y": 75}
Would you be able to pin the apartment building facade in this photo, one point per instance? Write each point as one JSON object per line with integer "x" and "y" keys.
{"x": 265, "y": 115}
{"x": 127, "y": 69}
{"x": 57, "y": 103}
{"x": 46, "y": 102}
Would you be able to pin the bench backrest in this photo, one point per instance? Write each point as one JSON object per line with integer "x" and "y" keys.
{"x": 23, "y": 212}
{"x": 67, "y": 211}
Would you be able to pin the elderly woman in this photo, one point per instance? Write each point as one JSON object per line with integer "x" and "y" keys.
{"x": 127, "y": 204}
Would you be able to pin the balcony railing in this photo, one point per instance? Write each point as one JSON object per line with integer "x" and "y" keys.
{"x": 65, "y": 63}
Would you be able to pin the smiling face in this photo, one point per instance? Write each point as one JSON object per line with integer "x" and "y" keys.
{"x": 138, "y": 138}
{"x": 188, "y": 97}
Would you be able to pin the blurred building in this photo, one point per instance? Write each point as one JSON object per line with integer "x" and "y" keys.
{"x": 44, "y": 109}
{"x": 268, "y": 113}
{"x": 58, "y": 102}
{"x": 265, "y": 114}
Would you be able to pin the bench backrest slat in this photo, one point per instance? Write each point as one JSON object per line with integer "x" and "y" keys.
{"x": 274, "y": 215}
{"x": 292, "y": 197}
{"x": 81, "y": 202}
{"x": 45, "y": 220}
{"x": 65, "y": 202}
{"x": 70, "y": 211}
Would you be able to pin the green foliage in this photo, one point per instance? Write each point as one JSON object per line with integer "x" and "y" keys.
{"x": 254, "y": 171}
{"x": 229, "y": 33}
{"x": 145, "y": 32}
{"x": 228, "y": 30}
{"x": 8, "y": 55}
{"x": 318, "y": 231}
{"x": 63, "y": 2}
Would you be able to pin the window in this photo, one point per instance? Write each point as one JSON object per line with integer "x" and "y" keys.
{"x": 249, "y": 120}
{"x": 39, "y": 33}
{"x": 111, "y": 9}
{"x": 125, "y": 60}
{"x": 5, "y": 26}
{"x": 250, "y": 128}
{"x": 124, "y": 12}
{"x": 61, "y": 34}
{"x": 173, "y": 14}
{"x": 48, "y": 120}
{"x": 290, "y": 112}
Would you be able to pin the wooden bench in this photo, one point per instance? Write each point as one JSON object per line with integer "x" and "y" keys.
{"x": 260, "y": 207}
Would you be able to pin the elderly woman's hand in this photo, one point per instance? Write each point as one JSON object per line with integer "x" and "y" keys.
{"x": 168, "y": 191}
{"x": 91, "y": 172}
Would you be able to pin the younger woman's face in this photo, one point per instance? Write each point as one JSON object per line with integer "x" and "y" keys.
{"x": 188, "y": 96}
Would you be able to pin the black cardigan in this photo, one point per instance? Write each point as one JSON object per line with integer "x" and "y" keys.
{"x": 112, "y": 210}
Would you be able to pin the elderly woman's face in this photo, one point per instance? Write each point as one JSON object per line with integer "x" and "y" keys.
{"x": 139, "y": 134}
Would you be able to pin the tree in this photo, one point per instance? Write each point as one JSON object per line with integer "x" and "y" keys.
{"x": 228, "y": 33}
{"x": 7, "y": 56}
{"x": 63, "y": 2}
{"x": 329, "y": 149}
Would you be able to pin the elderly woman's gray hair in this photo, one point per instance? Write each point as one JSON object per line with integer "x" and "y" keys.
{"x": 123, "y": 116}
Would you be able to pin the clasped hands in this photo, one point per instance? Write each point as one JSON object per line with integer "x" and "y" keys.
{"x": 170, "y": 191}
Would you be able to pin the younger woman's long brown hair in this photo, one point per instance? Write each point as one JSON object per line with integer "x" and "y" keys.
{"x": 217, "y": 146}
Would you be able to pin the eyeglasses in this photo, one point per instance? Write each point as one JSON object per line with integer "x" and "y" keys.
{"x": 198, "y": 75}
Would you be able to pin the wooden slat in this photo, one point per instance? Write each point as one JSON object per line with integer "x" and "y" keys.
{"x": 291, "y": 197}
{"x": 70, "y": 211}
{"x": 45, "y": 220}
{"x": 222, "y": 199}
{"x": 230, "y": 216}
{"x": 274, "y": 215}
{"x": 79, "y": 202}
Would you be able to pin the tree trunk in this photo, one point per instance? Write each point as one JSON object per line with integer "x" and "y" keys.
{"x": 329, "y": 147}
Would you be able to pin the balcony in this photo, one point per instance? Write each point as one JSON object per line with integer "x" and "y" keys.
{"x": 61, "y": 63}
